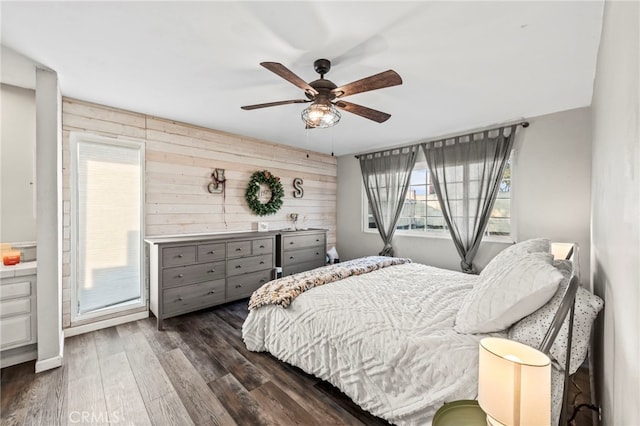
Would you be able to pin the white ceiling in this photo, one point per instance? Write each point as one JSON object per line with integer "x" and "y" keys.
{"x": 464, "y": 64}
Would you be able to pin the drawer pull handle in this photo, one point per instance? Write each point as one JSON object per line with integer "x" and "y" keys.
{"x": 213, "y": 270}
{"x": 238, "y": 285}
{"x": 290, "y": 257}
{"x": 180, "y": 275}
{"x": 263, "y": 281}
{"x": 180, "y": 255}
{"x": 238, "y": 266}
{"x": 212, "y": 291}
{"x": 317, "y": 253}
{"x": 291, "y": 242}
{"x": 180, "y": 299}
{"x": 262, "y": 263}
{"x": 238, "y": 249}
{"x": 212, "y": 252}
{"x": 317, "y": 240}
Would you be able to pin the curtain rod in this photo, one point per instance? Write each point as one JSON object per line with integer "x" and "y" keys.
{"x": 522, "y": 123}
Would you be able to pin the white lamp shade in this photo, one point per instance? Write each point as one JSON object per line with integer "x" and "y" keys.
{"x": 514, "y": 383}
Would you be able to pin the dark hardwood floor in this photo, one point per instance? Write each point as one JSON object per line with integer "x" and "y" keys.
{"x": 196, "y": 371}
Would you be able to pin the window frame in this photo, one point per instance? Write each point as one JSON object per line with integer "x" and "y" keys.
{"x": 76, "y": 138}
{"x": 446, "y": 234}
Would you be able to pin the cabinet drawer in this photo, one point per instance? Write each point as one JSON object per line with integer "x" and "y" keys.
{"x": 262, "y": 246}
{"x": 294, "y": 242}
{"x": 194, "y": 296}
{"x": 13, "y": 290}
{"x": 301, "y": 267}
{"x": 174, "y": 256}
{"x": 172, "y": 277}
{"x": 249, "y": 264}
{"x": 13, "y": 307}
{"x": 15, "y": 330}
{"x": 244, "y": 285}
{"x": 238, "y": 248}
{"x": 211, "y": 252}
{"x": 304, "y": 255}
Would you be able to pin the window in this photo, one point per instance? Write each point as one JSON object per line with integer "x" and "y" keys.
{"x": 107, "y": 206}
{"x": 421, "y": 214}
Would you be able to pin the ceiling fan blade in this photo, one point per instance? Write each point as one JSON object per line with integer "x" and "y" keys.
{"x": 270, "y": 104}
{"x": 384, "y": 79}
{"x": 287, "y": 74}
{"x": 363, "y": 111}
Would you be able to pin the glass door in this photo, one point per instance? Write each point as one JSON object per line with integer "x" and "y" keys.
{"x": 108, "y": 215}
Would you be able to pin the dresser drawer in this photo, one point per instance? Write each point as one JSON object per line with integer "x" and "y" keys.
{"x": 238, "y": 248}
{"x": 172, "y": 277}
{"x": 243, "y": 285}
{"x": 300, "y": 267}
{"x": 303, "y": 255}
{"x": 262, "y": 246}
{"x": 13, "y": 307}
{"x": 192, "y": 297}
{"x": 15, "y": 331}
{"x": 211, "y": 252}
{"x": 249, "y": 264}
{"x": 13, "y": 290}
{"x": 174, "y": 256}
{"x": 294, "y": 242}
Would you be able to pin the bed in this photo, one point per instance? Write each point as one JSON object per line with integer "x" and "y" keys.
{"x": 394, "y": 335}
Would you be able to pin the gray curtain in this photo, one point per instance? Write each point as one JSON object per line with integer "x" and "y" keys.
{"x": 466, "y": 172}
{"x": 386, "y": 176}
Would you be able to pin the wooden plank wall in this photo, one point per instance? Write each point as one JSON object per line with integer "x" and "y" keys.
{"x": 179, "y": 161}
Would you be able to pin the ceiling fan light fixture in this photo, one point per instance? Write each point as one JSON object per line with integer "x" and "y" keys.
{"x": 321, "y": 116}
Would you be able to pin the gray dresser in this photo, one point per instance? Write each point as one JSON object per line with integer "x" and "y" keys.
{"x": 188, "y": 273}
{"x": 299, "y": 251}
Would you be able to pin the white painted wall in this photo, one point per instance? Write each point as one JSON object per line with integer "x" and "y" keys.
{"x": 49, "y": 219}
{"x": 17, "y": 156}
{"x": 615, "y": 219}
{"x": 17, "y": 70}
{"x": 552, "y": 173}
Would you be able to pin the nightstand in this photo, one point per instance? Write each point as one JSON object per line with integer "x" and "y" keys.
{"x": 460, "y": 413}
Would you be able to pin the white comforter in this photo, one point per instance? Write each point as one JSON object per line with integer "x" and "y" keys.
{"x": 385, "y": 338}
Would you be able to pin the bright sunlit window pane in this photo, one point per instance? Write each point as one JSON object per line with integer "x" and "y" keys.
{"x": 108, "y": 224}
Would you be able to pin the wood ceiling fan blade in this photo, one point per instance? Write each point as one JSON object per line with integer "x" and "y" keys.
{"x": 378, "y": 81}
{"x": 270, "y": 104}
{"x": 362, "y": 111}
{"x": 287, "y": 74}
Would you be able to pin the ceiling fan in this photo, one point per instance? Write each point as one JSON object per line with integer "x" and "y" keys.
{"x": 325, "y": 96}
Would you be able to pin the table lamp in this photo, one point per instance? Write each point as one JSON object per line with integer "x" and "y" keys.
{"x": 514, "y": 383}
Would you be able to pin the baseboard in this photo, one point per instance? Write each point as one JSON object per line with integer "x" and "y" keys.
{"x": 53, "y": 362}
{"x": 98, "y": 325}
{"x": 48, "y": 364}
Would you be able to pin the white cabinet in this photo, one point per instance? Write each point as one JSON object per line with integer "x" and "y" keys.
{"x": 17, "y": 316}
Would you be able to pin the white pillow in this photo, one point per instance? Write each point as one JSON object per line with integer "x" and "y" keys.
{"x": 516, "y": 251}
{"x": 517, "y": 288}
{"x": 531, "y": 329}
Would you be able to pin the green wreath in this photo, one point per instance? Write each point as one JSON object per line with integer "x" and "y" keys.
{"x": 274, "y": 184}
